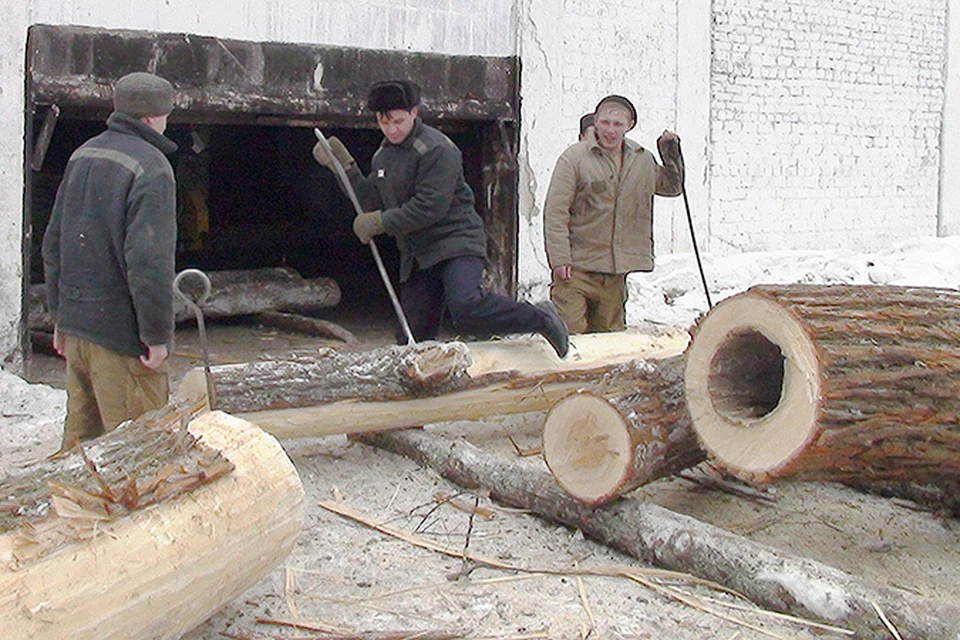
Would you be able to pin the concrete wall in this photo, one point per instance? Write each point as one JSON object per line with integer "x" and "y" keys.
{"x": 949, "y": 213}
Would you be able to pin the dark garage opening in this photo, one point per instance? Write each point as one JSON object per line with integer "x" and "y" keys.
{"x": 252, "y": 196}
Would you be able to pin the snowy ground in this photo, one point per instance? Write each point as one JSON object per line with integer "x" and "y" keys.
{"x": 672, "y": 294}
{"x": 345, "y": 576}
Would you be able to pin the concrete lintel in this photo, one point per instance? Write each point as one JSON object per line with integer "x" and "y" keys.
{"x": 76, "y": 65}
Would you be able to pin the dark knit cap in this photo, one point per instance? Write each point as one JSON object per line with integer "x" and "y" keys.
{"x": 621, "y": 102}
{"x": 586, "y": 121}
{"x": 393, "y": 94}
{"x": 142, "y": 94}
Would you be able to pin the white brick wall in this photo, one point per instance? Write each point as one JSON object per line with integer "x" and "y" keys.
{"x": 825, "y": 122}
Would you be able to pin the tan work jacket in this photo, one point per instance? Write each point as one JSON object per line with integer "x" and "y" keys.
{"x": 599, "y": 220}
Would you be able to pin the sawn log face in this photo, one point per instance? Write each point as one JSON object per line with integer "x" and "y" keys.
{"x": 587, "y": 458}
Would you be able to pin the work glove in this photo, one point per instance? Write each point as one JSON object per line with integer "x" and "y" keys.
{"x": 368, "y": 224}
{"x": 339, "y": 152}
{"x": 668, "y": 144}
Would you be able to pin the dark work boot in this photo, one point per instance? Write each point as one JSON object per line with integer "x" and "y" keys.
{"x": 554, "y": 328}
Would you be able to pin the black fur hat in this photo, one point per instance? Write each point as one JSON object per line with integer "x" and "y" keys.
{"x": 621, "y": 102}
{"x": 393, "y": 94}
{"x": 586, "y": 121}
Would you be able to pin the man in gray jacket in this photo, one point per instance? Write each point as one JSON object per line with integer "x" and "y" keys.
{"x": 108, "y": 254}
{"x": 416, "y": 193}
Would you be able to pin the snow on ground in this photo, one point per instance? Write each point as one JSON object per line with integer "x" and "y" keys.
{"x": 672, "y": 293}
{"x": 30, "y": 414}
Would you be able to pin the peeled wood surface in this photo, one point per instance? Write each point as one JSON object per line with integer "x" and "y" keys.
{"x": 835, "y": 382}
{"x": 765, "y": 575}
{"x": 337, "y": 391}
{"x": 599, "y": 445}
{"x": 157, "y": 571}
{"x": 147, "y": 461}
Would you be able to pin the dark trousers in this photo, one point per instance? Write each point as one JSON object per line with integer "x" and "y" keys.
{"x": 455, "y": 285}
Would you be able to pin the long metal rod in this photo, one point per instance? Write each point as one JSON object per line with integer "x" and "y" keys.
{"x": 201, "y": 326}
{"x": 693, "y": 237}
{"x": 348, "y": 189}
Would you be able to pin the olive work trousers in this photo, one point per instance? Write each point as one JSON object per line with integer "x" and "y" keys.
{"x": 105, "y": 388}
{"x": 591, "y": 302}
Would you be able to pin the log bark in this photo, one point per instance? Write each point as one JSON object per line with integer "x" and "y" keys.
{"x": 333, "y": 391}
{"x": 296, "y": 323}
{"x": 233, "y": 293}
{"x": 146, "y": 531}
{"x": 765, "y": 575}
{"x": 846, "y": 383}
{"x": 600, "y": 446}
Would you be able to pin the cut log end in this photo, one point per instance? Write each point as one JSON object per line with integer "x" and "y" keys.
{"x": 587, "y": 446}
{"x": 752, "y": 383}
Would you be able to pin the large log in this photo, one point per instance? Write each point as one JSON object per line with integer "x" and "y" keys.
{"x": 600, "y": 445}
{"x": 146, "y": 531}
{"x": 334, "y": 391}
{"x": 233, "y": 293}
{"x": 767, "y": 576}
{"x": 844, "y": 383}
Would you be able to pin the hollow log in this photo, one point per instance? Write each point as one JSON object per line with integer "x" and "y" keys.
{"x": 338, "y": 391}
{"x": 146, "y": 531}
{"x": 767, "y": 576}
{"x": 837, "y": 382}
{"x": 600, "y": 446}
{"x": 232, "y": 293}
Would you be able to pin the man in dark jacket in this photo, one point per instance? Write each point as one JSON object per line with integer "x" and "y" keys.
{"x": 416, "y": 193}
{"x": 108, "y": 254}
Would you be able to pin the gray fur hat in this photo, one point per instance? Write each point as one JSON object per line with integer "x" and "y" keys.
{"x": 142, "y": 94}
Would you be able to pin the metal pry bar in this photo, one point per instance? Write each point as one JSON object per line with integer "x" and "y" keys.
{"x": 348, "y": 189}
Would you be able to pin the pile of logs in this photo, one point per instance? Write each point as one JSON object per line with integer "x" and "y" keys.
{"x": 263, "y": 293}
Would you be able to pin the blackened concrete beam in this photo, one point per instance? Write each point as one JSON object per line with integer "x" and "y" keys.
{"x": 75, "y": 66}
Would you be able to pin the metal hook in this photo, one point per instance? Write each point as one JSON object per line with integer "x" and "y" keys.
{"x": 201, "y": 326}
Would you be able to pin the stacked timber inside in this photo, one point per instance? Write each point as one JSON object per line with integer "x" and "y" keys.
{"x": 232, "y": 293}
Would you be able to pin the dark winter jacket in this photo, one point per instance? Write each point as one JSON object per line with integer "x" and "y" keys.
{"x": 427, "y": 205}
{"x": 109, "y": 249}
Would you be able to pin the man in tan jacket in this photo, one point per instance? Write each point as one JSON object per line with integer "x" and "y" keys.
{"x": 598, "y": 216}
